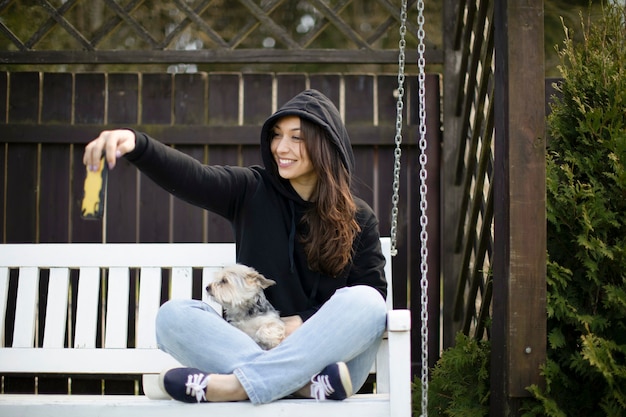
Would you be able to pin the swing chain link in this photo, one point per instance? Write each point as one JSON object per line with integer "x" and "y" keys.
{"x": 398, "y": 138}
{"x": 421, "y": 63}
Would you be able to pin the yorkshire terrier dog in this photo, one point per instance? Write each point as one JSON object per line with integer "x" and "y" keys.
{"x": 239, "y": 289}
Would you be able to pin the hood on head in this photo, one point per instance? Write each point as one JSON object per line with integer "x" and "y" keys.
{"x": 316, "y": 107}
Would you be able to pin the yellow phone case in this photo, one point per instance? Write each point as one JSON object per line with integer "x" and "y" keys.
{"x": 94, "y": 192}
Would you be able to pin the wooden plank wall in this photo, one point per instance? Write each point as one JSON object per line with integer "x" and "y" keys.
{"x": 47, "y": 118}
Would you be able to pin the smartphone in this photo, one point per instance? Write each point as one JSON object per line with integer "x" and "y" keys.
{"x": 94, "y": 192}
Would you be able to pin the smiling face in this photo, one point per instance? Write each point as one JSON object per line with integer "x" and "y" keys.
{"x": 290, "y": 154}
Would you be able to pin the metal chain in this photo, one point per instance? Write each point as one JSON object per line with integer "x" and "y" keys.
{"x": 398, "y": 138}
{"x": 421, "y": 63}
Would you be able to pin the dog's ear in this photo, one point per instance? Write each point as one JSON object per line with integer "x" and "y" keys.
{"x": 263, "y": 282}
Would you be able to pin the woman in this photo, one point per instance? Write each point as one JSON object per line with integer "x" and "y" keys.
{"x": 296, "y": 222}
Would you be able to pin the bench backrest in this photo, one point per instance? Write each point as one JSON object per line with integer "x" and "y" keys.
{"x": 90, "y": 308}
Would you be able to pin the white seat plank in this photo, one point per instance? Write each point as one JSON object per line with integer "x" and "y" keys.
{"x": 56, "y": 309}
{"x": 87, "y": 307}
{"x": 117, "y": 308}
{"x": 126, "y": 405}
{"x": 26, "y": 307}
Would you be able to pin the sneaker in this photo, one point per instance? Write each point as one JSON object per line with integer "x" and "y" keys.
{"x": 185, "y": 384}
{"x": 333, "y": 383}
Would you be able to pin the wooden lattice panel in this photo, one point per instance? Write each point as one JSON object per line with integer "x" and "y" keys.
{"x": 149, "y": 31}
{"x": 474, "y": 233}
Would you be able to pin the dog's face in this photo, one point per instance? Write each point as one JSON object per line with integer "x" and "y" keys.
{"x": 237, "y": 284}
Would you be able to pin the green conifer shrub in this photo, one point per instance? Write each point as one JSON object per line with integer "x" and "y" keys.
{"x": 459, "y": 385}
{"x": 586, "y": 210}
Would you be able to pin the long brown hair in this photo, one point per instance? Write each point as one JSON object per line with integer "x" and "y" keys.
{"x": 330, "y": 226}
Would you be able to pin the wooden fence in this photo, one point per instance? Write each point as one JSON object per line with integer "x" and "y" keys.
{"x": 491, "y": 176}
{"x": 213, "y": 117}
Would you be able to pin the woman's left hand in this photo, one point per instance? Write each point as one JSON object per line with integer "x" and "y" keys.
{"x": 291, "y": 324}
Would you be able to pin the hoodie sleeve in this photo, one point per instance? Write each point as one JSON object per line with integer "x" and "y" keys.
{"x": 368, "y": 267}
{"x": 220, "y": 189}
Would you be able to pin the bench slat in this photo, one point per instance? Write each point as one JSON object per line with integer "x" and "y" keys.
{"x": 117, "y": 308}
{"x": 87, "y": 307}
{"x": 382, "y": 372}
{"x": 56, "y": 309}
{"x": 26, "y": 307}
{"x": 181, "y": 284}
{"x": 208, "y": 275}
{"x": 149, "y": 303}
{"x": 4, "y": 295}
{"x": 385, "y": 244}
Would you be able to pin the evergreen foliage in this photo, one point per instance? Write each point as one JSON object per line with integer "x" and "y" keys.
{"x": 459, "y": 385}
{"x": 586, "y": 209}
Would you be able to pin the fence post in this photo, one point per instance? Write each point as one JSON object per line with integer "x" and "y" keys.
{"x": 519, "y": 293}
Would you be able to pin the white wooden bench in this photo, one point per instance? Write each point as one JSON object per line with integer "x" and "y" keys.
{"x": 104, "y": 291}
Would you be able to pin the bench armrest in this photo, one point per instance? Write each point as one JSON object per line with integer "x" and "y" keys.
{"x": 398, "y": 320}
{"x": 394, "y": 363}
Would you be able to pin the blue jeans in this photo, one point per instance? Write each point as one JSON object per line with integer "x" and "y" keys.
{"x": 347, "y": 328}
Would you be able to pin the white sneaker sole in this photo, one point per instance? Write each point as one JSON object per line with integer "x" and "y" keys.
{"x": 153, "y": 387}
{"x": 346, "y": 381}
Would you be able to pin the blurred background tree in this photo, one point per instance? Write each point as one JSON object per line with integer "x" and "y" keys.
{"x": 565, "y": 12}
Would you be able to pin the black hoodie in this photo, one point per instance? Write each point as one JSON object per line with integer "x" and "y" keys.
{"x": 265, "y": 210}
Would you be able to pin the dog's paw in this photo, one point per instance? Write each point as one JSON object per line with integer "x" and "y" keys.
{"x": 270, "y": 335}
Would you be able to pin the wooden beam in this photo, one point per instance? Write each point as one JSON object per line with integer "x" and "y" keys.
{"x": 519, "y": 297}
{"x": 187, "y": 134}
{"x": 217, "y": 56}
{"x": 451, "y": 198}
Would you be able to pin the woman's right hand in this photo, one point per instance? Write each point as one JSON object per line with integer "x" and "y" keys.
{"x": 292, "y": 323}
{"x": 113, "y": 144}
